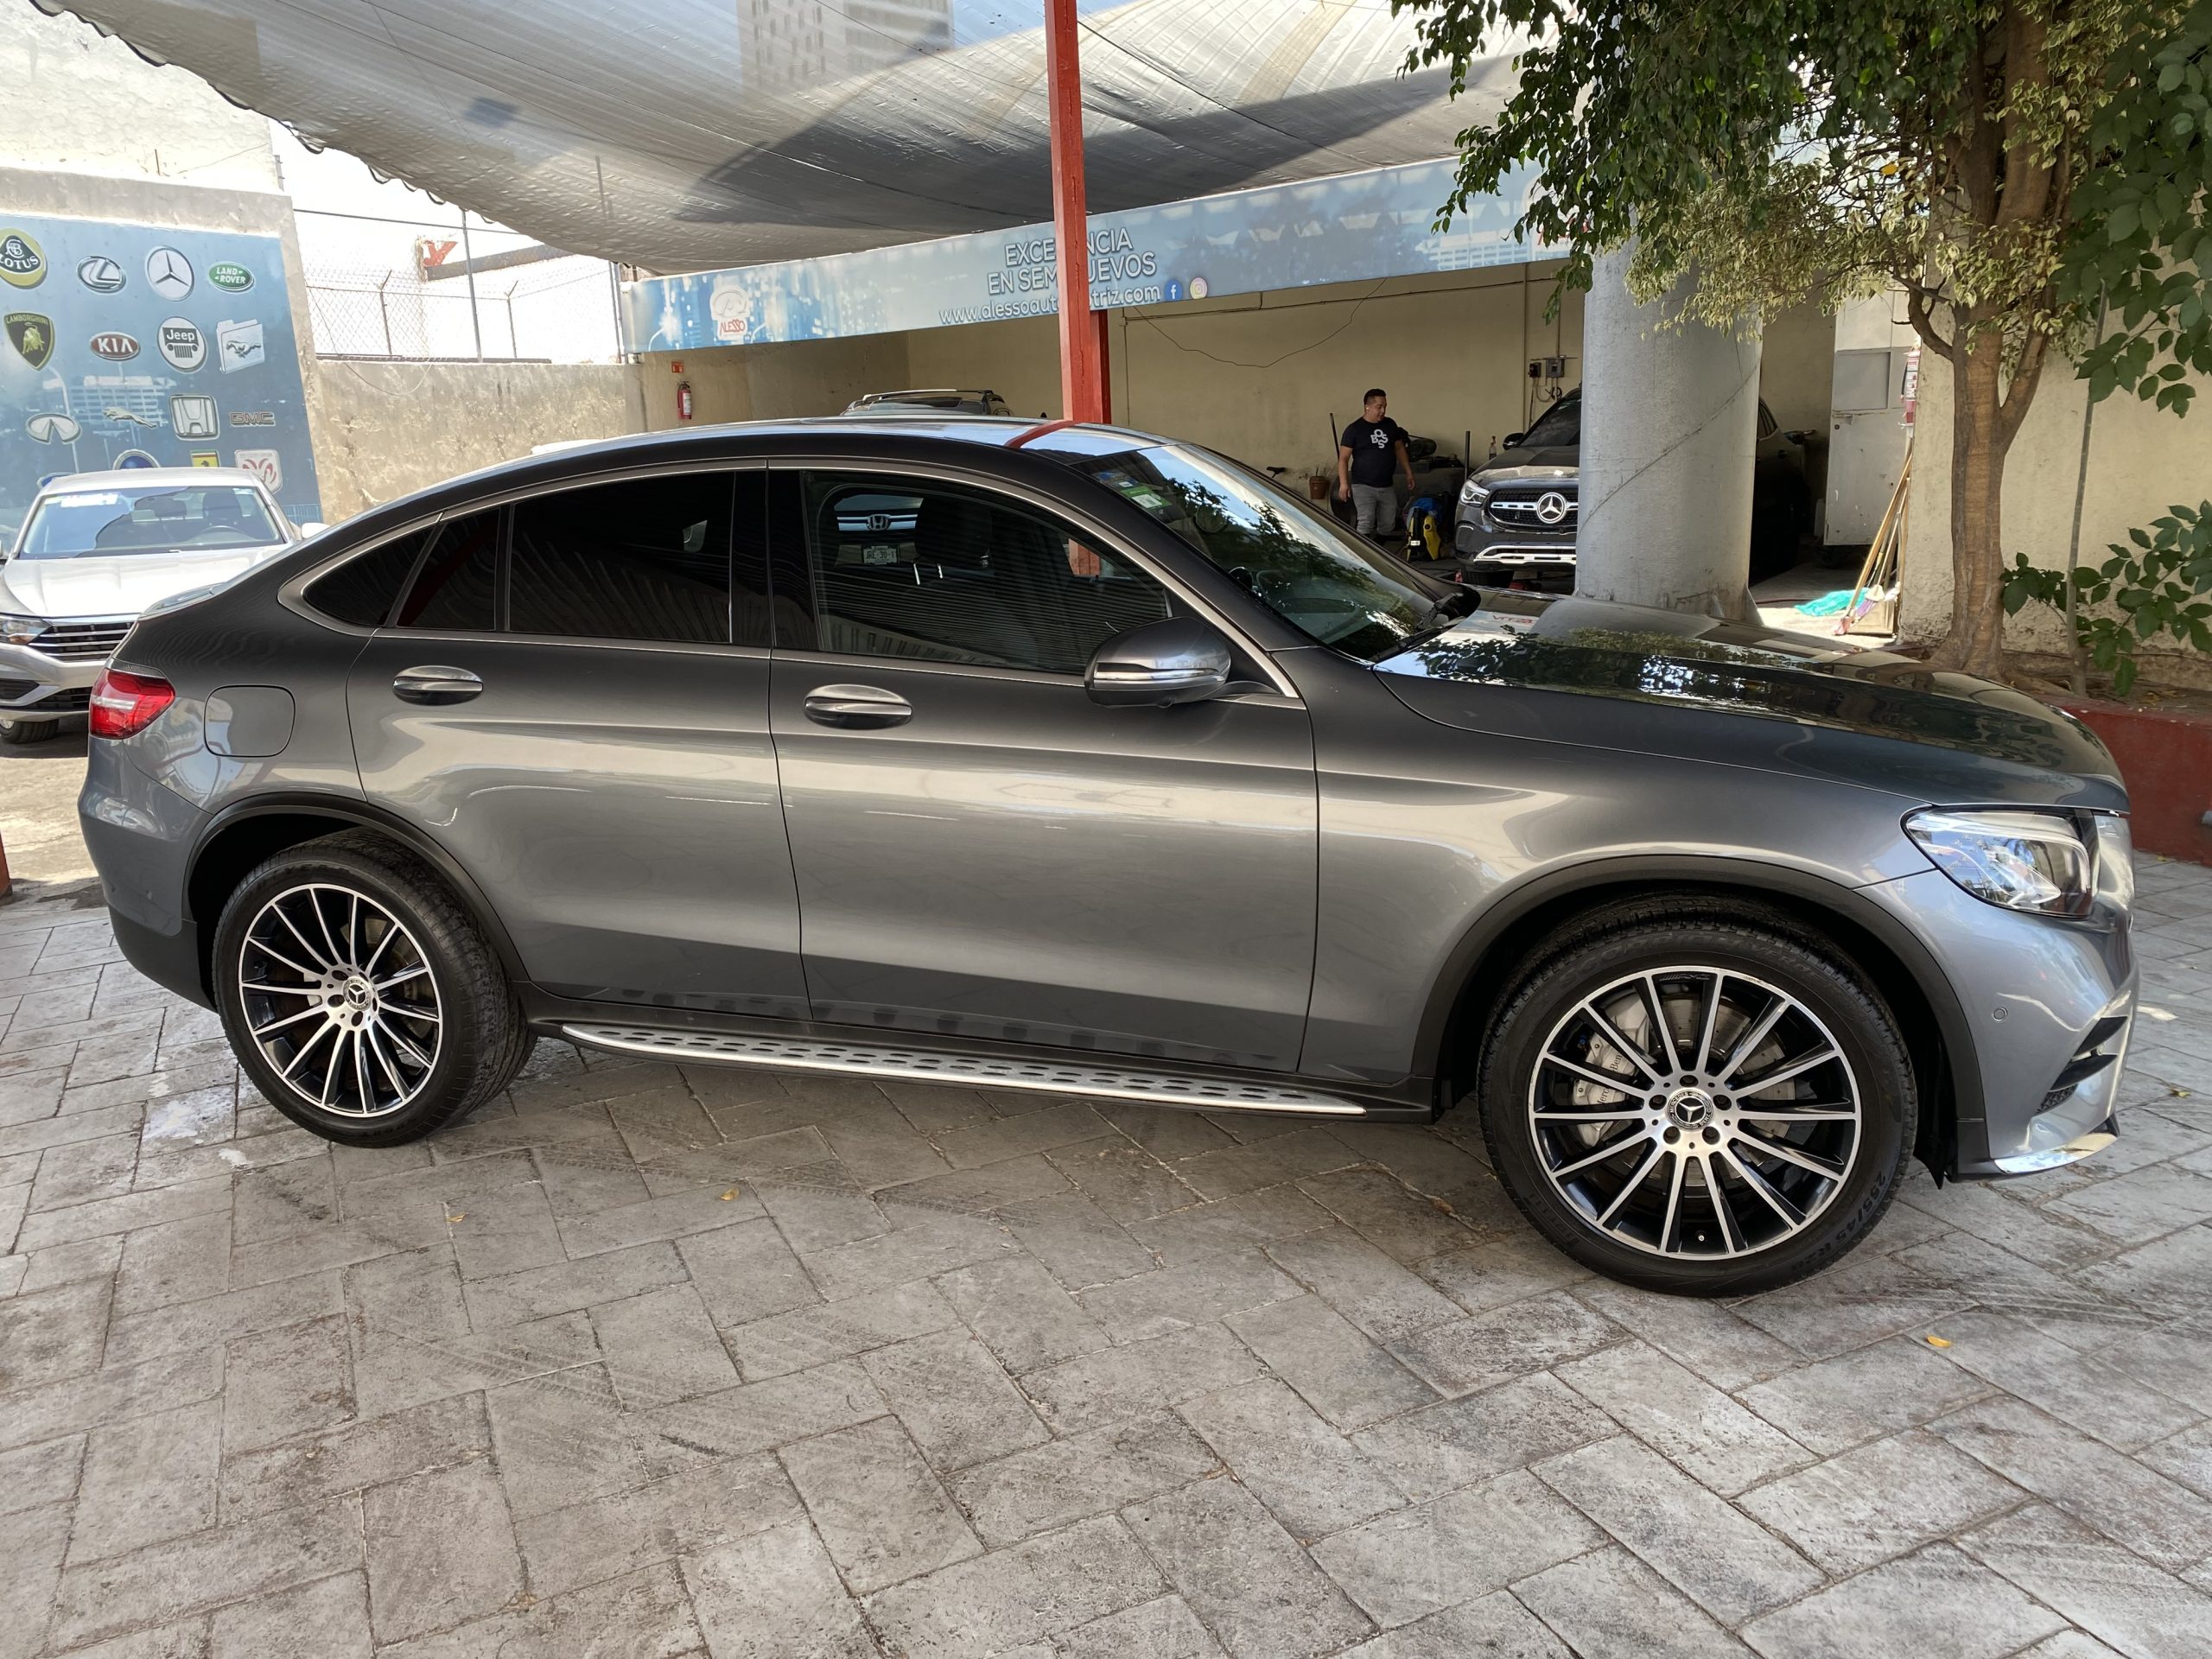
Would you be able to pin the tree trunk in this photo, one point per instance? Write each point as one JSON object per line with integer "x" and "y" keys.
{"x": 1978, "y": 440}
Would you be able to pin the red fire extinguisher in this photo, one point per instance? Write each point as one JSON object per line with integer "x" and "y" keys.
{"x": 683, "y": 401}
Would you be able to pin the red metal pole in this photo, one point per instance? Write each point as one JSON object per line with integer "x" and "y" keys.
{"x": 1083, "y": 364}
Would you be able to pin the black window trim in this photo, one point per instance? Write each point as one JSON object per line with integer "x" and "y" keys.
{"x": 1113, "y": 543}
{"x": 292, "y": 595}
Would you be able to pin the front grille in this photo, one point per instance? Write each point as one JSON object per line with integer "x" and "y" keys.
{"x": 1519, "y": 510}
{"x": 81, "y": 642}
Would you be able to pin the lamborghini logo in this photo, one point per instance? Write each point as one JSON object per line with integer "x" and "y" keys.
{"x": 32, "y": 336}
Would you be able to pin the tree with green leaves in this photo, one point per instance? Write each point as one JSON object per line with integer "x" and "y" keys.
{"x": 1976, "y": 155}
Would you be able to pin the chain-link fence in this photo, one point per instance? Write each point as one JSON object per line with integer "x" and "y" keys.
{"x": 560, "y": 309}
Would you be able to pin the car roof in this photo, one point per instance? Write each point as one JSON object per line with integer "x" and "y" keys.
{"x": 151, "y": 478}
{"x": 926, "y": 392}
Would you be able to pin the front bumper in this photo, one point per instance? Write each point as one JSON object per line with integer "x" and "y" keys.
{"x": 2047, "y": 1008}
{"x": 34, "y": 685}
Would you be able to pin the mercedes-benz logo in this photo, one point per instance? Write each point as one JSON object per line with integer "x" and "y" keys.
{"x": 1551, "y": 508}
{"x": 168, "y": 273}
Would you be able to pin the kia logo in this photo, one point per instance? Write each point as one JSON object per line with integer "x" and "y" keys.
{"x": 1551, "y": 508}
{"x": 116, "y": 347}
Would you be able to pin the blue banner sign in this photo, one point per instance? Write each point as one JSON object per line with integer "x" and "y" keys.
{"x": 1352, "y": 228}
{"x": 141, "y": 346}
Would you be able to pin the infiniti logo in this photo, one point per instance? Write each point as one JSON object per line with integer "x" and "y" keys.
{"x": 1551, "y": 507}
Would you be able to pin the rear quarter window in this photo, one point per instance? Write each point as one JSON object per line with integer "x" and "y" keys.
{"x": 362, "y": 591}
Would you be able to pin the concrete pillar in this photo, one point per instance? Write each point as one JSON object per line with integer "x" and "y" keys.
{"x": 1669, "y": 422}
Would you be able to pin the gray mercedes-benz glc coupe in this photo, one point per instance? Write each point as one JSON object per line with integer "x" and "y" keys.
{"x": 1067, "y": 759}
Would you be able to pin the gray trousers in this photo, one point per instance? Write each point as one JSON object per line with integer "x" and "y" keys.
{"x": 1376, "y": 508}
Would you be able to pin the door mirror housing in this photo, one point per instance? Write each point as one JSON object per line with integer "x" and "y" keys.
{"x": 1512, "y": 440}
{"x": 1181, "y": 660}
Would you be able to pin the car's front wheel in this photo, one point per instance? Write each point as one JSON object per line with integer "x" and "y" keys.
{"x": 1702, "y": 1102}
{"x": 361, "y": 998}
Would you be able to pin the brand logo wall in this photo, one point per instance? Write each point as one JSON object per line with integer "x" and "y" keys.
{"x": 231, "y": 279}
{"x": 100, "y": 274}
{"x": 115, "y": 346}
{"x": 168, "y": 273}
{"x": 182, "y": 344}
{"x": 253, "y": 417}
{"x": 265, "y": 464}
{"x": 239, "y": 345}
{"x": 32, "y": 336}
{"x": 21, "y": 264}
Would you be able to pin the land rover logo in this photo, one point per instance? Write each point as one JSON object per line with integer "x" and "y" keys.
{"x": 100, "y": 274}
{"x": 232, "y": 279}
{"x": 182, "y": 344}
{"x": 32, "y": 336}
{"x": 115, "y": 346}
{"x": 22, "y": 265}
{"x": 1551, "y": 507}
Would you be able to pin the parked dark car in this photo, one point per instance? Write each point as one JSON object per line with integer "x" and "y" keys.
{"x": 945, "y": 400}
{"x": 1517, "y": 512}
{"x": 1075, "y": 760}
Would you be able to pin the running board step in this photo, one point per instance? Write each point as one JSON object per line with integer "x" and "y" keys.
{"x": 978, "y": 1071}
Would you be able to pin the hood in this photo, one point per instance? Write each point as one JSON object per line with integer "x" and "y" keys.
{"x": 1622, "y": 677}
{"x": 121, "y": 584}
{"x": 1553, "y": 463}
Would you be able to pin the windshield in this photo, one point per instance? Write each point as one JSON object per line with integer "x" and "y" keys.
{"x": 1558, "y": 427}
{"x": 94, "y": 523}
{"x": 1329, "y": 584}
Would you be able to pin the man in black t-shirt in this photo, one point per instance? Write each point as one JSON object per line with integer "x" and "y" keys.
{"x": 1365, "y": 471}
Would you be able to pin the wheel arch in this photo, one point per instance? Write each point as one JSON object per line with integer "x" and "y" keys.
{"x": 238, "y": 840}
{"x": 1490, "y": 955}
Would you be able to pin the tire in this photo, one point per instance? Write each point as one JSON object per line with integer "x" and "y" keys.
{"x": 20, "y": 731}
{"x": 1623, "y": 1216}
{"x": 429, "y": 1033}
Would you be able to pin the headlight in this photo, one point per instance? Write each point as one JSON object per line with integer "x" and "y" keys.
{"x": 1472, "y": 494}
{"x": 2020, "y": 859}
{"x": 20, "y": 630}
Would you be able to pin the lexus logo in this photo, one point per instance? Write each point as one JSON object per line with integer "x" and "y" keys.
{"x": 1551, "y": 508}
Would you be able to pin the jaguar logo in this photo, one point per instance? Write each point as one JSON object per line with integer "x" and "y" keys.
{"x": 1551, "y": 508}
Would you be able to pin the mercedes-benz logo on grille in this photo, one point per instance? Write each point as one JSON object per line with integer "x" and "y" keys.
{"x": 1551, "y": 508}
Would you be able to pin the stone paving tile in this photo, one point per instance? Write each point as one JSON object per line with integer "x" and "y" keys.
{"x": 882, "y": 1515}
{"x": 667, "y": 1361}
{"x": 1100, "y": 1470}
{"x": 1260, "y": 1593}
{"x": 1898, "y": 1608}
{"x": 1405, "y": 1565}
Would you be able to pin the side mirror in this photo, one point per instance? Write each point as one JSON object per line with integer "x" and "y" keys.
{"x": 313, "y": 527}
{"x": 1181, "y": 660}
{"x": 1512, "y": 439}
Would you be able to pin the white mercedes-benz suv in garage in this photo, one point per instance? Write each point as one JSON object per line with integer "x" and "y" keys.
{"x": 95, "y": 551}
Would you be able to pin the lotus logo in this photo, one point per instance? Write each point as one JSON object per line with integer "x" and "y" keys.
{"x": 115, "y": 346}
{"x": 1552, "y": 508}
{"x": 22, "y": 265}
{"x": 231, "y": 279}
{"x": 100, "y": 274}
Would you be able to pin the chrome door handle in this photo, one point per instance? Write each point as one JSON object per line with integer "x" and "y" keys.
{"x": 436, "y": 682}
{"x": 857, "y": 708}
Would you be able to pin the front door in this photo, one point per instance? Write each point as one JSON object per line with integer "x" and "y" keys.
{"x": 574, "y": 703}
{"x": 980, "y": 850}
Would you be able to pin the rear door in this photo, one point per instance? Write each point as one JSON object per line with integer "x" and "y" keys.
{"x": 572, "y": 699}
{"x": 982, "y": 850}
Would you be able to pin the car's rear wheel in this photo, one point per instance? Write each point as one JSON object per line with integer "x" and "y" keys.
{"x": 1708, "y": 1105}
{"x": 361, "y": 998}
{"x": 27, "y": 731}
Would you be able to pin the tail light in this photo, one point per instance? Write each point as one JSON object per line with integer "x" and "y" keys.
{"x": 125, "y": 704}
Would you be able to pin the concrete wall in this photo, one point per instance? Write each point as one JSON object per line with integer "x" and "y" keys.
{"x": 2141, "y": 460}
{"x": 82, "y": 102}
{"x": 387, "y": 429}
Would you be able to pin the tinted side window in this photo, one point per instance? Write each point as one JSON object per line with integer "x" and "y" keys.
{"x": 458, "y": 585}
{"x": 645, "y": 559}
{"x": 361, "y": 591}
{"x": 912, "y": 569}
